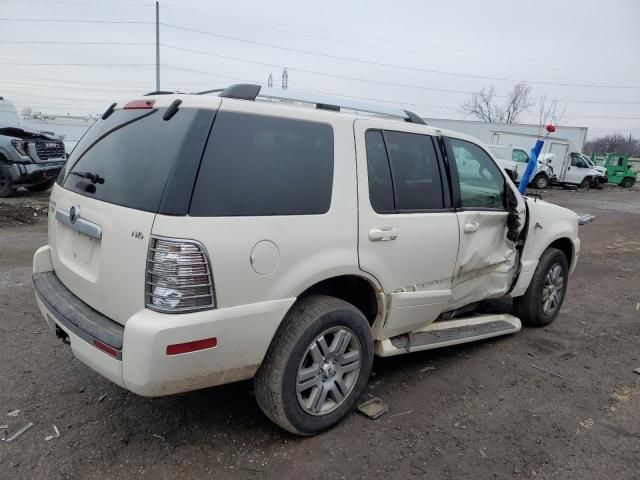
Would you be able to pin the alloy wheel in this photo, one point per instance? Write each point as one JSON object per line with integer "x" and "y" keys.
{"x": 328, "y": 371}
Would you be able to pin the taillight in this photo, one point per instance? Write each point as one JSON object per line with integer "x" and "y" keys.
{"x": 178, "y": 276}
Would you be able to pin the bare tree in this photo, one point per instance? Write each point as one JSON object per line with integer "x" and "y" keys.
{"x": 613, "y": 143}
{"x": 483, "y": 105}
{"x": 27, "y": 111}
{"x": 550, "y": 113}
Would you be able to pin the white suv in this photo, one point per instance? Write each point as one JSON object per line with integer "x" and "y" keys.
{"x": 197, "y": 240}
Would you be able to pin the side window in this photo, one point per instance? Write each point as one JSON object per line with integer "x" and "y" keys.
{"x": 520, "y": 156}
{"x": 380, "y": 187}
{"x": 482, "y": 184}
{"x": 415, "y": 171}
{"x": 257, "y": 165}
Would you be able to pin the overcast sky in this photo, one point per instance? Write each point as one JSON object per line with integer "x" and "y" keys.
{"x": 424, "y": 55}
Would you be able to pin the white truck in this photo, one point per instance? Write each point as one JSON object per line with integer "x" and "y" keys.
{"x": 515, "y": 160}
{"x": 197, "y": 240}
{"x": 575, "y": 169}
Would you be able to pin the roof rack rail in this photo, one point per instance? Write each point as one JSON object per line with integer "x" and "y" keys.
{"x": 248, "y": 91}
{"x": 204, "y": 92}
{"x": 159, "y": 92}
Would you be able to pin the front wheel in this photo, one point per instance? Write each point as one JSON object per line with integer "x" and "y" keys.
{"x": 586, "y": 182}
{"x": 541, "y": 303}
{"x": 316, "y": 367}
{"x": 6, "y": 185}
{"x": 627, "y": 182}
{"x": 541, "y": 181}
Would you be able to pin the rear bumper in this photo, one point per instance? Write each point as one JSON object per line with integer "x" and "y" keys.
{"x": 141, "y": 363}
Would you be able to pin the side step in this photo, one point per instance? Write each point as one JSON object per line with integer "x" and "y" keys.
{"x": 449, "y": 332}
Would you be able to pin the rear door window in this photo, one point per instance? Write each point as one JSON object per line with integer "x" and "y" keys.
{"x": 126, "y": 159}
{"x": 257, "y": 165}
{"x": 404, "y": 172}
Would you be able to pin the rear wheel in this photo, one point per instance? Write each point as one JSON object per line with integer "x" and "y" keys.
{"x": 41, "y": 187}
{"x": 541, "y": 303}
{"x": 541, "y": 181}
{"x": 627, "y": 182}
{"x": 316, "y": 367}
{"x": 6, "y": 185}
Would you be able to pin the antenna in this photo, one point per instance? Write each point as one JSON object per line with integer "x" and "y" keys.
{"x": 157, "y": 46}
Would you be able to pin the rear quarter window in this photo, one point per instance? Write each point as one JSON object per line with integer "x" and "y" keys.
{"x": 257, "y": 165}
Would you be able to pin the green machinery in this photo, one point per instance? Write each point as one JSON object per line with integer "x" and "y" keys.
{"x": 619, "y": 170}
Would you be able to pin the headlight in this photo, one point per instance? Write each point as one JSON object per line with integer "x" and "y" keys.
{"x": 21, "y": 147}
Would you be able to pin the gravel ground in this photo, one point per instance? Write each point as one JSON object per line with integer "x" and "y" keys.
{"x": 480, "y": 411}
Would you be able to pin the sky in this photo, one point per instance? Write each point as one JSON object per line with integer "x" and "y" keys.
{"x": 77, "y": 57}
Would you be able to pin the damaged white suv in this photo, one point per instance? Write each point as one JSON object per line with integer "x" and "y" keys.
{"x": 196, "y": 240}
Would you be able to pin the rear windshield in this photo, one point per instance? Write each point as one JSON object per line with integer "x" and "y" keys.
{"x": 256, "y": 165}
{"x": 127, "y": 158}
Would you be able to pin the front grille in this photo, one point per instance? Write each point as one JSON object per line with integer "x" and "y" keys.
{"x": 47, "y": 150}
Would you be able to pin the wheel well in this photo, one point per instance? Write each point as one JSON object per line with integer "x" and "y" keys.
{"x": 350, "y": 288}
{"x": 565, "y": 246}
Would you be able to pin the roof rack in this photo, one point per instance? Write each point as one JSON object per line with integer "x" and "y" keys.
{"x": 159, "y": 92}
{"x": 248, "y": 91}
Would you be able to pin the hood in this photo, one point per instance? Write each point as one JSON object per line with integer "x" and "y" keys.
{"x": 28, "y": 134}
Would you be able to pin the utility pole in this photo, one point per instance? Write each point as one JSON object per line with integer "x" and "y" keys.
{"x": 157, "y": 46}
{"x": 285, "y": 79}
{"x": 270, "y": 80}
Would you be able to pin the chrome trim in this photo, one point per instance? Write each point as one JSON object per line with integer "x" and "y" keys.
{"x": 81, "y": 225}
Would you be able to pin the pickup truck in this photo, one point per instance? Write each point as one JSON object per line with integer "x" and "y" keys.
{"x": 29, "y": 158}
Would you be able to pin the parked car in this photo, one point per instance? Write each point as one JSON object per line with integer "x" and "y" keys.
{"x": 29, "y": 158}
{"x": 515, "y": 160}
{"x": 197, "y": 240}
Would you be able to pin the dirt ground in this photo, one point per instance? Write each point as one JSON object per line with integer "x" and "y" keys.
{"x": 478, "y": 411}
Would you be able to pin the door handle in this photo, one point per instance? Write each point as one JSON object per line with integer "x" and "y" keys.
{"x": 471, "y": 227}
{"x": 383, "y": 234}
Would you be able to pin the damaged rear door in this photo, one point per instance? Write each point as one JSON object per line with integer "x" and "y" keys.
{"x": 487, "y": 259}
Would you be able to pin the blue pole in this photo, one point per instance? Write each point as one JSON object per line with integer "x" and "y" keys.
{"x": 531, "y": 166}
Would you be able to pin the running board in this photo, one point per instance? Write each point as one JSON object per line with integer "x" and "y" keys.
{"x": 449, "y": 332}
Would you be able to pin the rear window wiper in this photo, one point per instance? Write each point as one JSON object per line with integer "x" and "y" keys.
{"x": 93, "y": 177}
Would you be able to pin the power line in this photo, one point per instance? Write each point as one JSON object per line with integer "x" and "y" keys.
{"x": 51, "y": 20}
{"x": 383, "y": 45}
{"x": 55, "y": 42}
{"x": 367, "y": 80}
{"x": 78, "y": 64}
{"x": 382, "y": 64}
{"x": 64, "y": 81}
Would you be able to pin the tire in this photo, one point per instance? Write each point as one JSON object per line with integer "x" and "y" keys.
{"x": 586, "y": 182}
{"x": 41, "y": 187}
{"x": 541, "y": 181}
{"x": 6, "y": 185}
{"x": 291, "y": 353}
{"x": 530, "y": 308}
{"x": 627, "y": 182}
